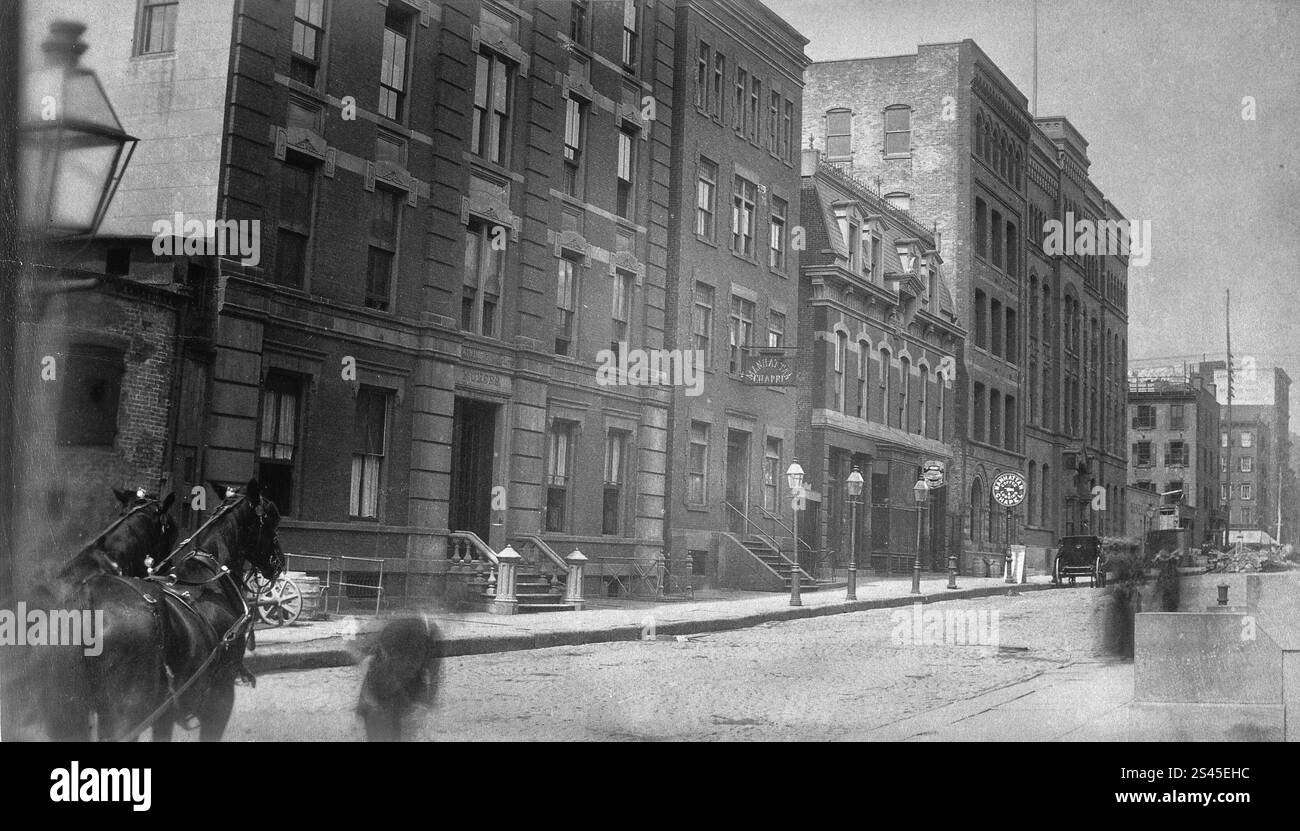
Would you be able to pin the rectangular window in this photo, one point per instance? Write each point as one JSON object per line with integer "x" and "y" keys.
{"x": 775, "y": 330}
{"x": 482, "y": 281}
{"x": 755, "y": 109}
{"x": 493, "y": 93}
{"x": 575, "y": 118}
{"x": 776, "y": 235}
{"x": 565, "y": 294}
{"x": 742, "y": 217}
{"x": 308, "y": 33}
{"x": 630, "y": 43}
{"x": 787, "y": 132}
{"x": 839, "y": 135}
{"x": 1145, "y": 417}
{"x": 278, "y": 440}
{"x": 385, "y": 214}
{"x": 392, "y": 67}
{"x": 579, "y": 20}
{"x": 719, "y": 74}
{"x": 369, "y": 447}
{"x": 1247, "y": 464}
{"x": 621, "y": 311}
{"x": 703, "y": 76}
{"x": 1247, "y": 439}
{"x": 559, "y": 456}
{"x": 294, "y": 232}
{"x": 612, "y": 505}
{"x": 698, "y": 464}
{"x": 981, "y": 320}
{"x": 626, "y": 172}
{"x": 741, "y": 330}
{"x": 898, "y": 131}
{"x": 864, "y": 368}
{"x": 738, "y": 114}
{"x": 706, "y": 200}
{"x": 772, "y": 474}
{"x": 90, "y": 388}
{"x": 774, "y": 123}
{"x": 702, "y": 323}
{"x": 156, "y": 27}
{"x": 1176, "y": 454}
{"x": 1247, "y": 490}
{"x": 841, "y": 370}
{"x": 1176, "y": 417}
{"x": 995, "y": 220}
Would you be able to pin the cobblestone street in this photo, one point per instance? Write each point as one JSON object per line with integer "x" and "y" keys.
{"x": 836, "y": 677}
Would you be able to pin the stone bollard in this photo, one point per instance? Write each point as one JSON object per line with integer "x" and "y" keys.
{"x": 573, "y": 595}
{"x": 505, "y": 601}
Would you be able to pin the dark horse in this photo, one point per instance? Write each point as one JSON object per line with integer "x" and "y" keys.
{"x": 207, "y": 619}
{"x": 122, "y": 682}
{"x": 404, "y": 670}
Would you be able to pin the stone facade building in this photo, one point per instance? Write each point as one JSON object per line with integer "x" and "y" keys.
{"x": 944, "y": 133}
{"x": 878, "y": 339}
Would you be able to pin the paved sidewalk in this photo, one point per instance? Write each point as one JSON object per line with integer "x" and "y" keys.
{"x": 341, "y": 641}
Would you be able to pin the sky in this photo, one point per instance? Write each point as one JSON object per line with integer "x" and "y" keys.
{"x": 1157, "y": 89}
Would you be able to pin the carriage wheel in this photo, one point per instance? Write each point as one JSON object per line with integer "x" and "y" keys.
{"x": 255, "y": 584}
{"x": 286, "y": 603}
{"x": 1056, "y": 573}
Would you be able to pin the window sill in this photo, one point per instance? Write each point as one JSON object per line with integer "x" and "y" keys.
{"x": 155, "y": 56}
{"x": 743, "y": 257}
{"x": 889, "y": 156}
{"x": 706, "y": 241}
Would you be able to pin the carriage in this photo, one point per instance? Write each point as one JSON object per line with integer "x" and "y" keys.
{"x": 1078, "y": 556}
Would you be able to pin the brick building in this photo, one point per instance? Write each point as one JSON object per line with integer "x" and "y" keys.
{"x": 878, "y": 334}
{"x": 463, "y": 212}
{"x": 1256, "y": 447}
{"x": 733, "y": 284}
{"x": 1174, "y": 453}
{"x": 1039, "y": 386}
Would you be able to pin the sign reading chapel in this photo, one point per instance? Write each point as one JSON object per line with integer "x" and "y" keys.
{"x": 767, "y": 370}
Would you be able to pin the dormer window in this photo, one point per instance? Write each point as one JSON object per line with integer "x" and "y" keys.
{"x": 906, "y": 258}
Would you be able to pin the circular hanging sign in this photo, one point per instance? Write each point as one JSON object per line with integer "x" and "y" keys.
{"x": 932, "y": 472}
{"x": 1009, "y": 489}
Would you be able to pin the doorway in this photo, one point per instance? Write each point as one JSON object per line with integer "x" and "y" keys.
{"x": 737, "y": 479}
{"x": 473, "y": 446}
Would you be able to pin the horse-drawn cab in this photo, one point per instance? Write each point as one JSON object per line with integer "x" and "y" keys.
{"x": 1076, "y": 557}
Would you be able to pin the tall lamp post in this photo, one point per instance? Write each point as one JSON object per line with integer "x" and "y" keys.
{"x": 794, "y": 478}
{"x": 921, "y": 492}
{"x": 853, "y": 487}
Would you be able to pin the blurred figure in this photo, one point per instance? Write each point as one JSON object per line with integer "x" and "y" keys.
{"x": 403, "y": 675}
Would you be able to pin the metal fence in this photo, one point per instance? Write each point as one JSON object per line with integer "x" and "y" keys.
{"x": 636, "y": 578}
{"x": 365, "y": 576}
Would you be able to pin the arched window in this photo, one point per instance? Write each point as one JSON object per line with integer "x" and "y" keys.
{"x": 976, "y": 509}
{"x": 839, "y": 134}
{"x": 884, "y": 386}
{"x": 1045, "y": 497}
{"x": 923, "y": 376}
{"x": 905, "y": 393}
{"x": 1033, "y": 305}
{"x": 898, "y": 130}
{"x": 988, "y": 142}
{"x": 938, "y": 406}
{"x": 841, "y": 368}
{"x": 864, "y": 370}
{"x": 1033, "y": 392}
{"x": 979, "y": 134}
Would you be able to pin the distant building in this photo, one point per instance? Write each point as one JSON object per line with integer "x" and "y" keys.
{"x": 1173, "y": 424}
{"x": 1256, "y": 445}
{"x": 1040, "y": 378}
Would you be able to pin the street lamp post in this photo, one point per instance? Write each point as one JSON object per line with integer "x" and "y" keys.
{"x": 921, "y": 493}
{"x": 853, "y": 487}
{"x": 794, "y": 478}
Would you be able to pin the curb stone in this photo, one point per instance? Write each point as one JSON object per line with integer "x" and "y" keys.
{"x": 329, "y": 652}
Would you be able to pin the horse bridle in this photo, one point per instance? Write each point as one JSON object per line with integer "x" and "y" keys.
{"x": 259, "y": 511}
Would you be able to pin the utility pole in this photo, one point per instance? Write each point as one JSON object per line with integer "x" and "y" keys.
{"x": 1227, "y": 320}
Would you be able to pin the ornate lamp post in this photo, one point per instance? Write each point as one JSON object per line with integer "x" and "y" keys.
{"x": 853, "y": 487}
{"x": 74, "y": 150}
{"x": 794, "y": 478}
{"x": 921, "y": 493}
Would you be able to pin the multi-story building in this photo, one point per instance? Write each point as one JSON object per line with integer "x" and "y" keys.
{"x": 1039, "y": 386}
{"x": 737, "y": 87}
{"x": 469, "y": 220}
{"x": 878, "y": 339}
{"x": 1256, "y": 447}
{"x": 1173, "y": 419}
